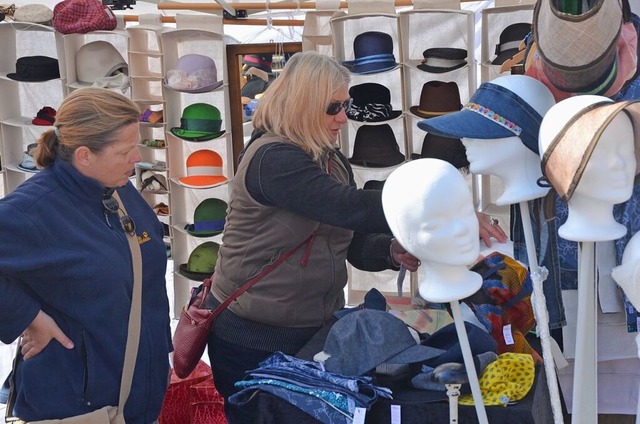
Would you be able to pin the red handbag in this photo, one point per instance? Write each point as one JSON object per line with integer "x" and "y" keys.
{"x": 192, "y": 332}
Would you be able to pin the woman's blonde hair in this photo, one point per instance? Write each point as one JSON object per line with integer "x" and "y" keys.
{"x": 87, "y": 117}
{"x": 294, "y": 105}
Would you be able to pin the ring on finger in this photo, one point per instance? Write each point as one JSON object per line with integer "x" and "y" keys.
{"x": 493, "y": 221}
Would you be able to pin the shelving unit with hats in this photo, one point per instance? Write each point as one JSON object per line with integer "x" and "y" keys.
{"x": 145, "y": 78}
{"x": 31, "y": 83}
{"x": 368, "y": 44}
{"x": 199, "y": 148}
{"x": 439, "y": 75}
{"x": 502, "y": 29}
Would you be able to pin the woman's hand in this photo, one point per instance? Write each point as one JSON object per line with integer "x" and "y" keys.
{"x": 400, "y": 256}
{"x": 489, "y": 228}
{"x": 39, "y": 333}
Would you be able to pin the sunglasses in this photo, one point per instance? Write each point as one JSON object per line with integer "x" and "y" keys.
{"x": 336, "y": 107}
{"x": 111, "y": 205}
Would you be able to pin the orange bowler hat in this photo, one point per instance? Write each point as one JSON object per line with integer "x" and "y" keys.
{"x": 204, "y": 170}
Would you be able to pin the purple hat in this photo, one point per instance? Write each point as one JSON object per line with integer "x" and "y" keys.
{"x": 194, "y": 73}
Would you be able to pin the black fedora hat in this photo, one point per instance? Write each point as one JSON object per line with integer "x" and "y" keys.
{"x": 438, "y": 60}
{"x": 444, "y": 148}
{"x": 371, "y": 103}
{"x": 375, "y": 146}
{"x": 510, "y": 39}
{"x": 35, "y": 69}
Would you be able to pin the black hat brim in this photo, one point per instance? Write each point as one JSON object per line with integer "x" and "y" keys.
{"x": 197, "y": 276}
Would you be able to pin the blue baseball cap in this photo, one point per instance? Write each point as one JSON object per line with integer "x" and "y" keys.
{"x": 492, "y": 112}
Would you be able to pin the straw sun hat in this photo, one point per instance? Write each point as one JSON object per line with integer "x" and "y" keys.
{"x": 578, "y": 52}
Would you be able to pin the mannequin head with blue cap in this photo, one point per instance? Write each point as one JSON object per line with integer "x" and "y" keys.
{"x": 499, "y": 129}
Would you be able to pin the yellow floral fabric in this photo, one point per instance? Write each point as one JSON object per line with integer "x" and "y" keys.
{"x": 508, "y": 379}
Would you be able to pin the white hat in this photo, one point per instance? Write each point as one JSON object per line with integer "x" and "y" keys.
{"x": 99, "y": 60}
{"x": 34, "y": 13}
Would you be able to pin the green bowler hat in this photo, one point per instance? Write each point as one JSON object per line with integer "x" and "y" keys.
{"x": 202, "y": 261}
{"x": 199, "y": 122}
{"x": 208, "y": 218}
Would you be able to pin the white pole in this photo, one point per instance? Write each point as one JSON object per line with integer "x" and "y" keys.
{"x": 468, "y": 362}
{"x": 538, "y": 276}
{"x": 585, "y": 373}
{"x": 638, "y": 406}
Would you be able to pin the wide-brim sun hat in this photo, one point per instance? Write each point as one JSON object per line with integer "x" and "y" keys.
{"x": 568, "y": 148}
{"x": 577, "y": 51}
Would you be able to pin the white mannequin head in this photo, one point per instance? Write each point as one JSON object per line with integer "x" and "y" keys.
{"x": 435, "y": 221}
{"x": 508, "y": 158}
{"x": 627, "y": 274}
{"x": 592, "y": 183}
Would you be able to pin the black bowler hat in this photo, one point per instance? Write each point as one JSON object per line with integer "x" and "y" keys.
{"x": 371, "y": 103}
{"x": 375, "y": 146}
{"x": 35, "y": 69}
{"x": 444, "y": 148}
{"x": 438, "y": 60}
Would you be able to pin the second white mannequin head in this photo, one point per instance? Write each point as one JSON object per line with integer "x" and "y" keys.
{"x": 593, "y": 175}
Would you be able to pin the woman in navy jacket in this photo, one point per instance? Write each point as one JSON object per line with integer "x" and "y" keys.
{"x": 66, "y": 269}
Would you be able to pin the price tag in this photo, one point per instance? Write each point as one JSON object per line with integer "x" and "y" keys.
{"x": 396, "y": 417}
{"x": 358, "y": 415}
{"x": 507, "y": 334}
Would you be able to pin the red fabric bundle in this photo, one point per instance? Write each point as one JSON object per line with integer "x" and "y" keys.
{"x": 175, "y": 408}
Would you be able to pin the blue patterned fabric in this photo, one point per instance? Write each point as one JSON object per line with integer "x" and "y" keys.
{"x": 330, "y": 398}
